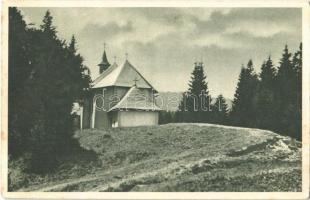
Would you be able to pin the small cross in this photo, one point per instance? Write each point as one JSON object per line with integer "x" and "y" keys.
{"x": 126, "y": 54}
{"x": 135, "y": 80}
{"x": 104, "y": 45}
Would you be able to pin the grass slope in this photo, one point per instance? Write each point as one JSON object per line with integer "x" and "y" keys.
{"x": 187, "y": 157}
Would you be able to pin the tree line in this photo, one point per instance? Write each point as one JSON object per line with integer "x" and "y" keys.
{"x": 269, "y": 100}
{"x": 46, "y": 75}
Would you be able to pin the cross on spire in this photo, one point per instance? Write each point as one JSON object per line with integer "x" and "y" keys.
{"x": 104, "y": 64}
{"x": 126, "y": 54}
{"x": 135, "y": 80}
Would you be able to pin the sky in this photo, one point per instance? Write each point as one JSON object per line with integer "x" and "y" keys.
{"x": 164, "y": 43}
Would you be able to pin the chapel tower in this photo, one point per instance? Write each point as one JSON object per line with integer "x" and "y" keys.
{"x": 104, "y": 63}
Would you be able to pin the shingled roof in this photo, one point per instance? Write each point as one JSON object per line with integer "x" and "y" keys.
{"x": 135, "y": 99}
{"x": 121, "y": 76}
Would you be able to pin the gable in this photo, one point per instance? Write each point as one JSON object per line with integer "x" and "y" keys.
{"x": 127, "y": 76}
{"x": 121, "y": 76}
{"x": 136, "y": 99}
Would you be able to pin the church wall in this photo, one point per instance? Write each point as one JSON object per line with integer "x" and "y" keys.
{"x": 108, "y": 93}
{"x": 102, "y": 119}
{"x": 137, "y": 118}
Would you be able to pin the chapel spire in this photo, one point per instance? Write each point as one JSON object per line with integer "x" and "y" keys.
{"x": 104, "y": 63}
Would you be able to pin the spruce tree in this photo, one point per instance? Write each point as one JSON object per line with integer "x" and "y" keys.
{"x": 297, "y": 63}
{"x": 195, "y": 102}
{"x": 268, "y": 73}
{"x": 285, "y": 75}
{"x": 50, "y": 76}
{"x": 243, "y": 112}
{"x": 47, "y": 26}
{"x": 239, "y": 99}
{"x": 220, "y": 110}
{"x": 265, "y": 97}
{"x": 60, "y": 65}
{"x": 286, "y": 96}
{"x": 297, "y": 66}
{"x": 19, "y": 72}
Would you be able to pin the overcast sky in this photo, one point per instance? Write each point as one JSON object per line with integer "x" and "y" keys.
{"x": 164, "y": 43}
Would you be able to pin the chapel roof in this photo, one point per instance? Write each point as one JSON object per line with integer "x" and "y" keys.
{"x": 123, "y": 76}
{"x": 135, "y": 99}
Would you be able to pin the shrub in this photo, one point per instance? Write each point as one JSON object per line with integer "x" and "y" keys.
{"x": 17, "y": 176}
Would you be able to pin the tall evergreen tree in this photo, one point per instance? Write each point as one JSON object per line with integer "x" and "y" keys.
{"x": 268, "y": 73}
{"x": 20, "y": 68}
{"x": 297, "y": 66}
{"x": 54, "y": 79}
{"x": 59, "y": 64}
{"x": 243, "y": 112}
{"x": 285, "y": 95}
{"x": 265, "y": 98}
{"x": 297, "y": 112}
{"x": 47, "y": 26}
{"x": 297, "y": 63}
{"x": 239, "y": 99}
{"x": 220, "y": 110}
{"x": 285, "y": 75}
{"x": 195, "y": 102}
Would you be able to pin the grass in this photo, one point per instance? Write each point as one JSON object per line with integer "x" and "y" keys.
{"x": 185, "y": 157}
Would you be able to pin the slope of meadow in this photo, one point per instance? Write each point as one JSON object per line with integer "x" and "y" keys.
{"x": 186, "y": 157}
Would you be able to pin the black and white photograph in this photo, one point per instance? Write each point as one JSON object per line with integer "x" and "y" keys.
{"x": 155, "y": 99}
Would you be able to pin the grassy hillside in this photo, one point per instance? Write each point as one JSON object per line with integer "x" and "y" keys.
{"x": 186, "y": 157}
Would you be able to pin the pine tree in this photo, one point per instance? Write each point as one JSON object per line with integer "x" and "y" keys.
{"x": 285, "y": 75}
{"x": 220, "y": 110}
{"x": 243, "y": 112}
{"x": 265, "y": 97}
{"x": 268, "y": 73}
{"x": 195, "y": 102}
{"x": 55, "y": 79}
{"x": 80, "y": 77}
{"x": 285, "y": 95}
{"x": 297, "y": 66}
{"x": 239, "y": 99}
{"x": 20, "y": 69}
{"x": 47, "y": 26}
{"x": 59, "y": 64}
